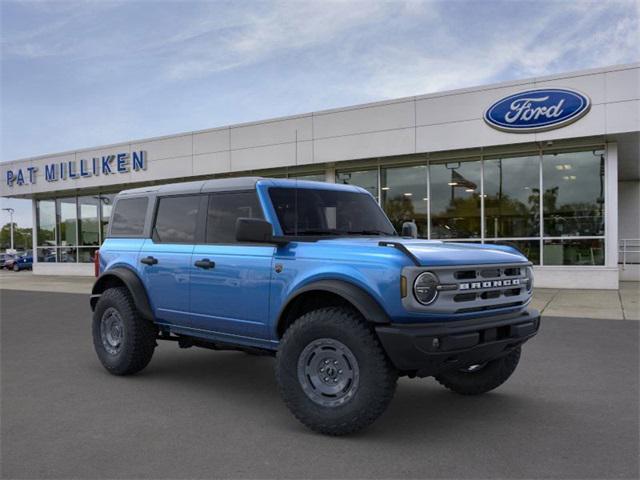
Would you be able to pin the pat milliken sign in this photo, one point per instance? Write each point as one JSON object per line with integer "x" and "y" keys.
{"x": 537, "y": 110}
{"x": 117, "y": 163}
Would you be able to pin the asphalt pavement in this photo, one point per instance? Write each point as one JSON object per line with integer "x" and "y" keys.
{"x": 569, "y": 411}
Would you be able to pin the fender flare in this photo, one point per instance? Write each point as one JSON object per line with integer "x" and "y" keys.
{"x": 132, "y": 282}
{"x": 368, "y": 307}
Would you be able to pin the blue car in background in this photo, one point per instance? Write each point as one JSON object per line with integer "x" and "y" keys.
{"x": 23, "y": 262}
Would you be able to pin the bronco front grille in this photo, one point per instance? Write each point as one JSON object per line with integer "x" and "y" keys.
{"x": 472, "y": 288}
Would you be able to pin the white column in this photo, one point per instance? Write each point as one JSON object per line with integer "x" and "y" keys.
{"x": 330, "y": 174}
{"x": 34, "y": 232}
{"x": 611, "y": 205}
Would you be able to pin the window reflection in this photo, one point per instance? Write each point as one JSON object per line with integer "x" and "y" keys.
{"x": 574, "y": 252}
{"x": 314, "y": 177}
{"x": 455, "y": 200}
{"x": 367, "y": 179}
{"x": 404, "y": 197}
{"x": 573, "y": 198}
{"x": 106, "y": 203}
{"x": 512, "y": 197}
{"x": 67, "y": 221}
{"x": 46, "y": 222}
{"x": 88, "y": 220}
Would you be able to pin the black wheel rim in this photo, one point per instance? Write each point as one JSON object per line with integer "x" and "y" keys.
{"x": 328, "y": 372}
{"x": 111, "y": 331}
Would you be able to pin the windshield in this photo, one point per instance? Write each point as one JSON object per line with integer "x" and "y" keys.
{"x": 304, "y": 211}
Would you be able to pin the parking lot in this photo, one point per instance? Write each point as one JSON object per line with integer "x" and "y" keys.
{"x": 570, "y": 411}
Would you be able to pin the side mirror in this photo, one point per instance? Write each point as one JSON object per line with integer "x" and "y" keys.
{"x": 255, "y": 230}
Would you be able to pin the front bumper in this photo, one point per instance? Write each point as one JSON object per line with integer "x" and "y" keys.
{"x": 428, "y": 349}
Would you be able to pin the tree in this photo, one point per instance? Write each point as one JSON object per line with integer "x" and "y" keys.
{"x": 22, "y": 237}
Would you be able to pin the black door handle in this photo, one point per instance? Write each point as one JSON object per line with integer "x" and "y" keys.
{"x": 205, "y": 263}
{"x": 149, "y": 260}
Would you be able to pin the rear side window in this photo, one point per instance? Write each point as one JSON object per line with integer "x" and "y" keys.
{"x": 128, "y": 217}
{"x": 225, "y": 209}
{"x": 176, "y": 219}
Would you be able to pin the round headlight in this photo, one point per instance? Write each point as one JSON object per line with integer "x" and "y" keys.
{"x": 425, "y": 288}
{"x": 529, "y": 279}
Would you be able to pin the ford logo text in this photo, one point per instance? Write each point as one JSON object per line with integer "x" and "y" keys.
{"x": 537, "y": 110}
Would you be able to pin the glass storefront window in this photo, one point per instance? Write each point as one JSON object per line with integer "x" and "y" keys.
{"x": 106, "y": 202}
{"x": 67, "y": 255}
{"x": 46, "y": 222}
{"x": 573, "y": 198}
{"x": 47, "y": 255}
{"x": 367, "y": 179}
{"x": 88, "y": 221}
{"x": 574, "y": 252}
{"x": 314, "y": 177}
{"x": 405, "y": 198}
{"x": 512, "y": 197}
{"x": 455, "y": 199}
{"x": 529, "y": 248}
{"x": 67, "y": 221}
{"x": 86, "y": 254}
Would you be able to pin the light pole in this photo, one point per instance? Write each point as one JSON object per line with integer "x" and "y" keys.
{"x": 11, "y": 212}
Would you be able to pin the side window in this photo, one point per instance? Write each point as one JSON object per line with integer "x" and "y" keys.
{"x": 176, "y": 219}
{"x": 128, "y": 218}
{"x": 225, "y": 209}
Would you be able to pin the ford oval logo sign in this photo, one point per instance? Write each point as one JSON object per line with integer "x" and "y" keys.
{"x": 537, "y": 110}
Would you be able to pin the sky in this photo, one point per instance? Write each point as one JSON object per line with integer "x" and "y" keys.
{"x": 86, "y": 73}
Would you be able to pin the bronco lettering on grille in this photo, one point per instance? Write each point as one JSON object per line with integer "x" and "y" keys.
{"x": 488, "y": 284}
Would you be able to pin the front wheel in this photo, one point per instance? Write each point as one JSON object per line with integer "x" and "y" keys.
{"x": 478, "y": 379}
{"x": 332, "y": 372}
{"x": 16, "y": 268}
{"x": 123, "y": 340}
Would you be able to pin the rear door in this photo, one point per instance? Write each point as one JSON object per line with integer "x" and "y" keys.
{"x": 230, "y": 281}
{"x": 165, "y": 258}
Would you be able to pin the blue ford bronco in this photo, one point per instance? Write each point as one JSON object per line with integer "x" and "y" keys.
{"x": 315, "y": 274}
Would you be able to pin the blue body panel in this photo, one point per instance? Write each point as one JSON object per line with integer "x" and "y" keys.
{"x": 240, "y": 300}
{"x": 233, "y": 297}
{"x": 168, "y": 281}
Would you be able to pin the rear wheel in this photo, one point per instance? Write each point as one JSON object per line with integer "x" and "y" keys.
{"x": 482, "y": 378}
{"x": 123, "y": 340}
{"x": 332, "y": 372}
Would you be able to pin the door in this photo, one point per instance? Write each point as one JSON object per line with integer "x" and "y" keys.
{"x": 230, "y": 281}
{"x": 165, "y": 258}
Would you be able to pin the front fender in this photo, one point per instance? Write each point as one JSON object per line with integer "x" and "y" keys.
{"x": 368, "y": 306}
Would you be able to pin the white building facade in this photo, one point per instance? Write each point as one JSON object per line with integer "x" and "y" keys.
{"x": 549, "y": 165}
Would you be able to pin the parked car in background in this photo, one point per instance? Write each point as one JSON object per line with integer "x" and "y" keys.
{"x": 23, "y": 262}
{"x": 6, "y": 258}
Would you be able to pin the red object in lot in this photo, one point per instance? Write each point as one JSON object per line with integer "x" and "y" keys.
{"x": 96, "y": 263}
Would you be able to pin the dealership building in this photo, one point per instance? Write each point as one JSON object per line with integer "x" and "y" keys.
{"x": 550, "y": 165}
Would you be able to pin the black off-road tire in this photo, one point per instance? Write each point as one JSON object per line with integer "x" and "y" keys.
{"x": 138, "y": 339}
{"x": 377, "y": 377}
{"x": 485, "y": 379}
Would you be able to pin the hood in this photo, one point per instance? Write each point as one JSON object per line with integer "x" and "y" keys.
{"x": 438, "y": 253}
